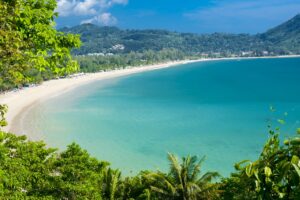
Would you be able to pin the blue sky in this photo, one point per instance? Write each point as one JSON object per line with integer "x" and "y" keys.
{"x": 198, "y": 16}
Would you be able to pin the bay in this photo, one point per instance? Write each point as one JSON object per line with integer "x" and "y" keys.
{"x": 217, "y": 109}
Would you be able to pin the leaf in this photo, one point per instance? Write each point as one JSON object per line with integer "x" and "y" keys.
{"x": 298, "y": 131}
{"x": 297, "y": 169}
{"x": 286, "y": 142}
{"x": 295, "y": 141}
{"x": 296, "y": 164}
{"x": 295, "y": 160}
{"x": 257, "y": 186}
{"x": 281, "y": 121}
{"x": 249, "y": 170}
{"x": 268, "y": 171}
{"x": 241, "y": 165}
{"x": 281, "y": 195}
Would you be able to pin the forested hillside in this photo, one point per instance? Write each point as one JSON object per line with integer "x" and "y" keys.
{"x": 106, "y": 48}
{"x": 283, "y": 39}
{"x": 104, "y": 40}
{"x": 286, "y": 35}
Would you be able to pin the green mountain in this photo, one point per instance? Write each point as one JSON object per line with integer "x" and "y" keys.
{"x": 283, "y": 39}
{"x": 286, "y": 35}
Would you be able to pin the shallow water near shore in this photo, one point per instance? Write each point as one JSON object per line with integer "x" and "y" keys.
{"x": 217, "y": 109}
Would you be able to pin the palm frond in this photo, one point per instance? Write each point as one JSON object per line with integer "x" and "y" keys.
{"x": 207, "y": 177}
{"x": 175, "y": 168}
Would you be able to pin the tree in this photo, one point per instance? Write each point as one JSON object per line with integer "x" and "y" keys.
{"x": 25, "y": 168}
{"x": 79, "y": 176}
{"x": 183, "y": 181}
{"x": 111, "y": 183}
{"x": 29, "y": 42}
{"x": 136, "y": 187}
{"x": 275, "y": 175}
{"x": 30, "y": 45}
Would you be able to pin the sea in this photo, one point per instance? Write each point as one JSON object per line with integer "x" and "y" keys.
{"x": 219, "y": 110}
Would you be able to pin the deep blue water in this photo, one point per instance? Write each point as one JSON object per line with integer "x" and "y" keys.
{"x": 219, "y": 109}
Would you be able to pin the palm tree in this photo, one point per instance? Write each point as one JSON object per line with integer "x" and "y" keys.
{"x": 111, "y": 183}
{"x": 183, "y": 181}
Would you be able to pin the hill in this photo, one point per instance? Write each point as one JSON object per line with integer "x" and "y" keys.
{"x": 283, "y": 39}
{"x": 286, "y": 35}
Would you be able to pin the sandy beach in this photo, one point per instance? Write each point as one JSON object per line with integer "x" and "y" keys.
{"x": 19, "y": 101}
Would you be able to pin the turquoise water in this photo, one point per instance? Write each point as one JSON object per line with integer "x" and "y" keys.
{"x": 219, "y": 109}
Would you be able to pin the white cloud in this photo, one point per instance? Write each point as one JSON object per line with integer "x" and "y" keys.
{"x": 65, "y": 7}
{"x": 106, "y": 19}
{"x": 112, "y": 2}
{"x": 87, "y": 7}
{"x": 95, "y": 8}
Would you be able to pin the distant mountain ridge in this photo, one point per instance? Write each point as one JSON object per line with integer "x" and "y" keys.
{"x": 283, "y": 39}
{"x": 286, "y": 34}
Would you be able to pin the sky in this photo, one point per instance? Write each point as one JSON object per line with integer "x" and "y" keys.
{"x": 196, "y": 16}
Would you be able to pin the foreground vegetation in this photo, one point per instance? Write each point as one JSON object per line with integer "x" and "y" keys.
{"x": 30, "y": 170}
{"x": 31, "y": 49}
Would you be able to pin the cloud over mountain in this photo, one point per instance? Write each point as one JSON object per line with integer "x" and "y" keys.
{"x": 96, "y": 11}
{"x": 105, "y": 19}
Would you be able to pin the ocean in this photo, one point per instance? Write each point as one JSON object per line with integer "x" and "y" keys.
{"x": 216, "y": 109}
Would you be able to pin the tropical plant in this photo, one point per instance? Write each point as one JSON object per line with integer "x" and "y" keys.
{"x": 275, "y": 175}
{"x": 183, "y": 181}
{"x": 111, "y": 183}
{"x": 136, "y": 187}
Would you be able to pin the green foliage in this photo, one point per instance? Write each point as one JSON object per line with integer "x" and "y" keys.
{"x": 183, "y": 181}
{"x": 275, "y": 175}
{"x": 25, "y": 168}
{"x": 285, "y": 36}
{"x": 137, "y": 187}
{"x": 107, "y": 48}
{"x": 111, "y": 183}
{"x": 110, "y": 62}
{"x": 30, "y": 170}
{"x": 29, "y": 42}
{"x": 283, "y": 39}
{"x": 104, "y": 39}
{"x": 78, "y": 176}
{"x": 3, "y": 110}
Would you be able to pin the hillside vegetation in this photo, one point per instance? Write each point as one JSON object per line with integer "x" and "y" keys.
{"x": 286, "y": 36}
{"x": 283, "y": 39}
{"x": 106, "y": 48}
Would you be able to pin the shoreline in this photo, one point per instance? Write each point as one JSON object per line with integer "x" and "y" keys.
{"x": 20, "y": 101}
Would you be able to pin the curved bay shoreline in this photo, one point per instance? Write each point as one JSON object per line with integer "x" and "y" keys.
{"x": 19, "y": 102}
